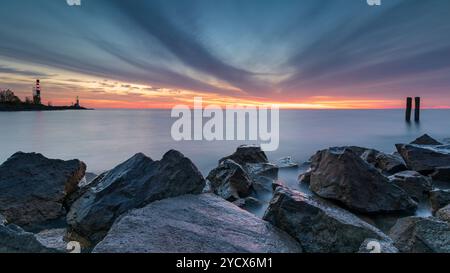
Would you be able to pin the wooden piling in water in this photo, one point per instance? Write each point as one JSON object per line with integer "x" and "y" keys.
{"x": 408, "y": 108}
{"x": 417, "y": 109}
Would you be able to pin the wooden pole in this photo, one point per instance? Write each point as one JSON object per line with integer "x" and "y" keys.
{"x": 408, "y": 108}
{"x": 417, "y": 110}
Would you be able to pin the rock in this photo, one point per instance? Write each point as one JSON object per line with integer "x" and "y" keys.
{"x": 376, "y": 246}
{"x": 439, "y": 199}
{"x": 415, "y": 184}
{"x": 132, "y": 184}
{"x": 423, "y": 159}
{"x": 277, "y": 183}
{"x": 194, "y": 224}
{"x": 444, "y": 214}
{"x": 421, "y": 235}
{"x": 386, "y": 163}
{"x": 247, "y": 154}
{"x": 318, "y": 225}
{"x": 249, "y": 203}
{"x": 33, "y": 188}
{"x": 341, "y": 175}
{"x": 441, "y": 174}
{"x": 53, "y": 238}
{"x": 286, "y": 162}
{"x": 13, "y": 239}
{"x": 426, "y": 140}
{"x": 261, "y": 169}
{"x": 305, "y": 177}
{"x": 230, "y": 181}
{"x": 83, "y": 188}
{"x": 3, "y": 220}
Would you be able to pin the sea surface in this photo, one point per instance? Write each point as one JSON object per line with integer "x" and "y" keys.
{"x": 105, "y": 138}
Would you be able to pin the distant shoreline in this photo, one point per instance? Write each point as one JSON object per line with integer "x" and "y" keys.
{"x": 33, "y": 107}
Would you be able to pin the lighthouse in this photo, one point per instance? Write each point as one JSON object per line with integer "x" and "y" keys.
{"x": 37, "y": 92}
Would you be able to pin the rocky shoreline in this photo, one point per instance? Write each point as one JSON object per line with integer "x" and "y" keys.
{"x": 359, "y": 196}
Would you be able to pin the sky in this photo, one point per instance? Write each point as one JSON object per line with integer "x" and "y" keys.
{"x": 308, "y": 54}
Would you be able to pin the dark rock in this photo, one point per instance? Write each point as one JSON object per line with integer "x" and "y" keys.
{"x": 261, "y": 169}
{"x": 33, "y": 188}
{"x": 444, "y": 214}
{"x": 441, "y": 174}
{"x": 305, "y": 177}
{"x": 83, "y": 188}
{"x": 386, "y": 163}
{"x": 286, "y": 163}
{"x": 426, "y": 140}
{"x": 248, "y": 203}
{"x": 132, "y": 184}
{"x": 376, "y": 246}
{"x": 423, "y": 159}
{"x": 194, "y": 224}
{"x": 341, "y": 175}
{"x": 421, "y": 235}
{"x": 230, "y": 181}
{"x": 318, "y": 226}
{"x": 415, "y": 184}
{"x": 13, "y": 239}
{"x": 439, "y": 199}
{"x": 247, "y": 154}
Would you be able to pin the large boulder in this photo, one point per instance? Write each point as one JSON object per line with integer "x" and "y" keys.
{"x": 423, "y": 159}
{"x": 444, "y": 214}
{"x": 426, "y": 140}
{"x": 421, "y": 235}
{"x": 132, "y": 184}
{"x": 318, "y": 225}
{"x": 439, "y": 199}
{"x": 194, "y": 224}
{"x": 230, "y": 181}
{"x": 386, "y": 163}
{"x": 33, "y": 188}
{"x": 415, "y": 184}
{"x": 13, "y": 239}
{"x": 247, "y": 154}
{"x": 341, "y": 175}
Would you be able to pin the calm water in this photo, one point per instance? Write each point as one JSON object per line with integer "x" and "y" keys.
{"x": 104, "y": 138}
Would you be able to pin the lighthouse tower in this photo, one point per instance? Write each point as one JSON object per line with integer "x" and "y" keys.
{"x": 37, "y": 93}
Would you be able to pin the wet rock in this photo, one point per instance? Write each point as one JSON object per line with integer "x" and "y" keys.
{"x": 426, "y": 140}
{"x": 444, "y": 214}
{"x": 341, "y": 175}
{"x": 33, "y": 188}
{"x": 439, "y": 199}
{"x": 14, "y": 239}
{"x": 194, "y": 224}
{"x": 423, "y": 159}
{"x": 286, "y": 163}
{"x": 230, "y": 181}
{"x": 132, "y": 184}
{"x": 441, "y": 174}
{"x": 277, "y": 183}
{"x": 376, "y": 246}
{"x": 386, "y": 163}
{"x": 247, "y": 154}
{"x": 261, "y": 169}
{"x": 421, "y": 235}
{"x": 318, "y": 225}
{"x": 415, "y": 184}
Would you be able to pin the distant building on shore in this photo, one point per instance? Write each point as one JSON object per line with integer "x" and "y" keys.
{"x": 37, "y": 93}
